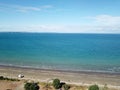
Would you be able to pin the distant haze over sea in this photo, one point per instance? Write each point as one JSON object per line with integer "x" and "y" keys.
{"x": 76, "y": 52}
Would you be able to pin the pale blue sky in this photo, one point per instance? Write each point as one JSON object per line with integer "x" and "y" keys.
{"x": 82, "y": 16}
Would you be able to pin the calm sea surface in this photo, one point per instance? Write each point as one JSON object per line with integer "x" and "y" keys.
{"x": 76, "y": 52}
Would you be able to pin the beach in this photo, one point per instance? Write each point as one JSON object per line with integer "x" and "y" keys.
{"x": 112, "y": 80}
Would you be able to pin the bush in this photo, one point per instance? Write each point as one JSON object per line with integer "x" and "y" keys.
{"x": 56, "y": 83}
{"x": 94, "y": 87}
{"x": 31, "y": 86}
{"x": 27, "y": 86}
{"x": 9, "y": 79}
{"x": 66, "y": 87}
{"x": 1, "y": 78}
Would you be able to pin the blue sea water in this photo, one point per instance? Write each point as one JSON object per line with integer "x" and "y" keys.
{"x": 76, "y": 52}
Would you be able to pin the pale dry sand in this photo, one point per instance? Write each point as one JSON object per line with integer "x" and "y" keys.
{"x": 79, "y": 78}
{"x": 10, "y": 85}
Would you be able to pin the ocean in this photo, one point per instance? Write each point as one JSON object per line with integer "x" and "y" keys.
{"x": 60, "y": 51}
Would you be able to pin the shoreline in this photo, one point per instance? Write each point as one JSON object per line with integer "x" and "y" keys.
{"x": 76, "y": 78}
{"x": 69, "y": 71}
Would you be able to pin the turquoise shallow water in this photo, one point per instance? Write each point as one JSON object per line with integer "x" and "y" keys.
{"x": 94, "y": 52}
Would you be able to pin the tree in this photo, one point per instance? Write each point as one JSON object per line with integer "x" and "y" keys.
{"x": 93, "y": 87}
{"x": 66, "y": 87}
{"x": 27, "y": 86}
{"x": 1, "y": 78}
{"x": 56, "y": 83}
{"x": 31, "y": 86}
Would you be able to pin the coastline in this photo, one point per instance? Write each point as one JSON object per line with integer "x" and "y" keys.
{"x": 59, "y": 70}
{"x": 71, "y": 77}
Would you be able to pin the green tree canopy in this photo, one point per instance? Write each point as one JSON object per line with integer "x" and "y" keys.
{"x": 56, "y": 83}
{"x": 31, "y": 86}
{"x": 94, "y": 87}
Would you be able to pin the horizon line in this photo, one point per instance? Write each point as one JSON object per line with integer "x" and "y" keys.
{"x": 57, "y": 32}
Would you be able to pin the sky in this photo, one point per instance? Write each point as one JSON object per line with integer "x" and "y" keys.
{"x": 60, "y": 16}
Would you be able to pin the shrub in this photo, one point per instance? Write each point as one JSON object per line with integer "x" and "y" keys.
{"x": 56, "y": 83}
{"x": 27, "y": 86}
{"x": 31, "y": 86}
{"x": 1, "y": 78}
{"x": 9, "y": 79}
{"x": 94, "y": 87}
{"x": 66, "y": 87}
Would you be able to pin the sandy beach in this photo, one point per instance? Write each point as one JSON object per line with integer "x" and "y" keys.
{"x": 79, "y": 78}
